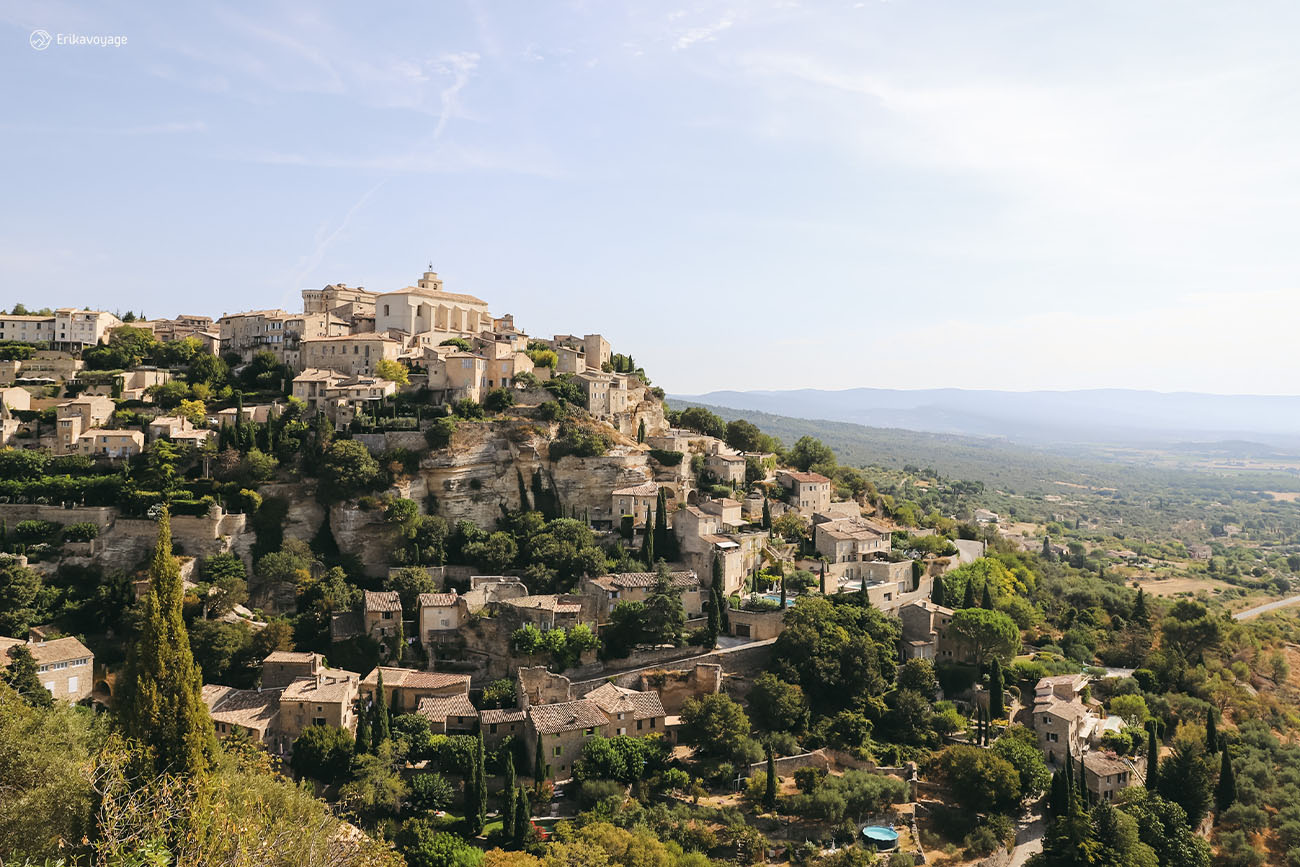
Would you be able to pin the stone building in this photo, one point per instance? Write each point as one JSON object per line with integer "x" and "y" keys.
{"x": 427, "y": 307}
{"x": 64, "y": 665}
{"x": 851, "y": 540}
{"x": 925, "y": 631}
{"x": 251, "y": 712}
{"x": 404, "y": 688}
{"x": 809, "y": 492}
{"x": 1106, "y": 775}
{"x": 351, "y": 354}
{"x": 609, "y": 590}
{"x": 449, "y": 714}
{"x": 382, "y": 614}
{"x": 629, "y": 711}
{"x": 727, "y": 469}
{"x": 327, "y": 698}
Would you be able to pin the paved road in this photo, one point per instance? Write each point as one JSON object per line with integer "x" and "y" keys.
{"x": 1029, "y": 840}
{"x": 969, "y": 550}
{"x": 1260, "y": 609}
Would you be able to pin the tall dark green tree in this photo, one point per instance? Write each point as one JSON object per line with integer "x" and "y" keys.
{"x": 937, "y": 591}
{"x": 996, "y": 688}
{"x": 1225, "y": 791}
{"x": 24, "y": 679}
{"x": 822, "y": 582}
{"x": 522, "y": 819}
{"x": 968, "y": 596}
{"x": 540, "y": 769}
{"x": 508, "y": 797}
{"x": 769, "y": 793}
{"x": 648, "y": 545}
{"x": 1153, "y": 758}
{"x": 767, "y": 516}
{"x": 986, "y": 599}
{"x": 380, "y": 728}
{"x": 1211, "y": 732}
{"x": 480, "y": 784}
{"x": 163, "y": 706}
{"x": 713, "y": 626}
{"x": 661, "y": 524}
{"x": 1140, "y": 616}
{"x": 724, "y": 607}
{"x": 363, "y": 731}
{"x": 782, "y": 592}
{"x": 640, "y": 432}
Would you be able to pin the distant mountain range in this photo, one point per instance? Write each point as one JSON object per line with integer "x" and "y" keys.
{"x": 1112, "y": 415}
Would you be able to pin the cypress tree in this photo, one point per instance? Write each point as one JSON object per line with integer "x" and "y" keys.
{"x": 724, "y": 607}
{"x": 640, "y": 432}
{"x": 1140, "y": 615}
{"x": 1083, "y": 783}
{"x": 937, "y": 591}
{"x": 823, "y": 578}
{"x": 661, "y": 524}
{"x": 767, "y": 515}
{"x": 769, "y": 793}
{"x": 996, "y": 704}
{"x": 714, "y": 627}
{"x": 522, "y": 818}
{"x": 783, "y": 592}
{"x": 164, "y": 706}
{"x": 508, "y": 807}
{"x": 480, "y": 785}
{"x": 968, "y": 596}
{"x": 380, "y": 729}
{"x": 540, "y": 769}
{"x": 1047, "y": 548}
{"x": 1225, "y": 792}
{"x": 1153, "y": 757}
{"x": 1069, "y": 770}
{"x": 362, "y": 743}
{"x": 986, "y": 600}
{"x": 1211, "y": 733}
{"x": 508, "y": 814}
{"x": 24, "y": 679}
{"x": 648, "y": 546}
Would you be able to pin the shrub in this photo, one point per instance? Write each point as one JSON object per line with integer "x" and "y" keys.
{"x": 809, "y": 778}
{"x": 595, "y": 791}
{"x": 553, "y": 410}
{"x": 81, "y": 532}
{"x": 468, "y": 409}
{"x": 439, "y": 434}
{"x": 579, "y": 441}
{"x": 499, "y": 399}
{"x": 666, "y": 457}
{"x": 430, "y": 792}
{"x": 35, "y": 531}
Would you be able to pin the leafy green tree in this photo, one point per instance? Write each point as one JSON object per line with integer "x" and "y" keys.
{"x": 495, "y": 554}
{"x": 808, "y": 452}
{"x": 702, "y": 421}
{"x": 985, "y": 634}
{"x": 163, "y": 706}
{"x": 431, "y": 791}
{"x": 979, "y": 778}
{"x": 1163, "y": 826}
{"x": 1190, "y": 629}
{"x": 19, "y": 589}
{"x": 393, "y": 371}
{"x": 323, "y": 753}
{"x": 665, "y": 616}
{"x": 716, "y": 724}
{"x": 423, "y": 845}
{"x": 22, "y": 677}
{"x": 1186, "y": 778}
{"x": 1019, "y": 746}
{"x": 778, "y": 706}
{"x": 841, "y": 654}
{"x": 347, "y": 469}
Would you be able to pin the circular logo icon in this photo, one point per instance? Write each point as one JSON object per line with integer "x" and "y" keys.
{"x": 40, "y": 40}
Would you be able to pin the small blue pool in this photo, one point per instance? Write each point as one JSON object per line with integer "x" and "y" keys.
{"x": 776, "y": 597}
{"x": 880, "y": 836}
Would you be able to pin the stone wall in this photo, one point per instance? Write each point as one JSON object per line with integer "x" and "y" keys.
{"x": 676, "y": 687}
{"x": 101, "y": 516}
{"x": 759, "y": 625}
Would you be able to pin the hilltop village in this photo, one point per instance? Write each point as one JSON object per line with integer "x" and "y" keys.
{"x": 420, "y": 555}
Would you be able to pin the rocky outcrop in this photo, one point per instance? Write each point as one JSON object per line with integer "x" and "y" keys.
{"x": 364, "y": 534}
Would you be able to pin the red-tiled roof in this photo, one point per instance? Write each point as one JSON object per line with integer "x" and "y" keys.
{"x": 566, "y": 716}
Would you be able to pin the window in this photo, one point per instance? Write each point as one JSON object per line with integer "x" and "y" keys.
{"x": 318, "y": 720}
{"x": 492, "y": 729}
{"x": 558, "y": 751}
{"x": 72, "y": 684}
{"x": 639, "y": 723}
{"x": 589, "y": 732}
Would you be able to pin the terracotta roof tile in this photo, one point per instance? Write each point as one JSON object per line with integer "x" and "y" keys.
{"x": 566, "y": 716}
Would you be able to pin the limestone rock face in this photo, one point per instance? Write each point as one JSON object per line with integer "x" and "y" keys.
{"x": 305, "y": 512}
{"x": 489, "y": 465}
{"x": 364, "y": 534}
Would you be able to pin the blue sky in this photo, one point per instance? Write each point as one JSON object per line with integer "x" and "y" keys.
{"x": 742, "y": 195}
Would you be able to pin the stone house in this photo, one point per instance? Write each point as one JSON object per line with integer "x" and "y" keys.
{"x": 343, "y": 301}
{"x": 561, "y": 730}
{"x": 105, "y": 443}
{"x": 440, "y": 618}
{"x": 75, "y": 329}
{"x": 497, "y": 725}
{"x": 252, "y": 712}
{"x": 1059, "y": 725}
{"x": 456, "y": 374}
{"x": 64, "y": 665}
{"x": 1106, "y": 775}
{"x": 809, "y": 492}
{"x": 629, "y": 711}
{"x": 606, "y": 393}
{"x": 328, "y": 698}
{"x": 609, "y": 590}
{"x": 75, "y": 417}
{"x": 382, "y": 614}
{"x": 549, "y": 611}
{"x": 851, "y": 540}
{"x": 727, "y": 469}
{"x": 26, "y": 329}
{"x": 251, "y": 331}
{"x": 351, "y": 354}
{"x": 925, "y": 631}
{"x": 283, "y": 667}
{"x": 449, "y": 714}
{"x": 639, "y": 501}
{"x": 405, "y": 687}
{"x": 729, "y": 513}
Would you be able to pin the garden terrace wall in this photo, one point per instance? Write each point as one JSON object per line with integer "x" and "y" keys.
{"x": 101, "y": 516}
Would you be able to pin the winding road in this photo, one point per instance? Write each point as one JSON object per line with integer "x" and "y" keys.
{"x": 1271, "y": 606}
